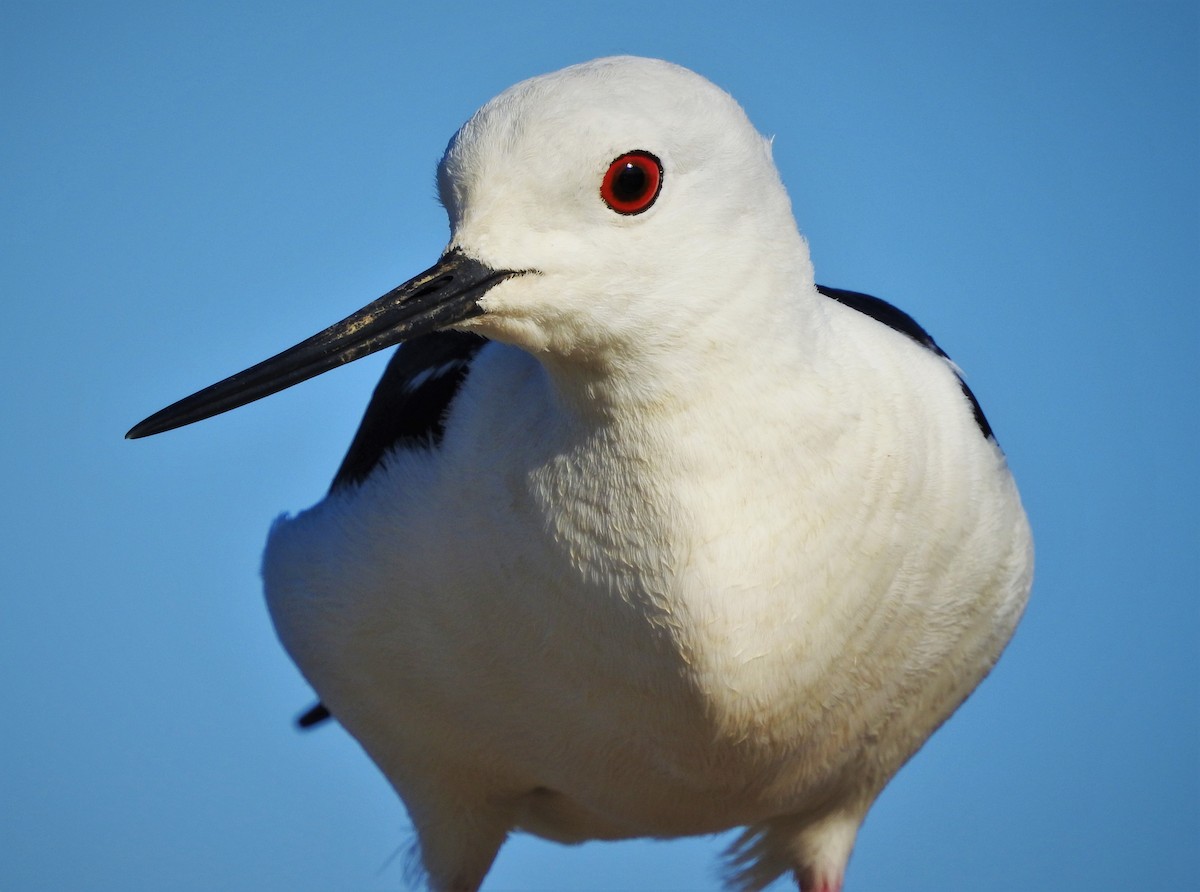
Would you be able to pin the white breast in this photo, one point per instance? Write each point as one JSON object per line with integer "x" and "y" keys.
{"x": 748, "y": 605}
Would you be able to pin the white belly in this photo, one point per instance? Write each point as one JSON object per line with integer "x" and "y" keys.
{"x": 618, "y": 645}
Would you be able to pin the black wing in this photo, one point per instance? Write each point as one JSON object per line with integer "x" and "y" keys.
{"x": 408, "y": 407}
{"x": 895, "y": 318}
{"x": 410, "y": 401}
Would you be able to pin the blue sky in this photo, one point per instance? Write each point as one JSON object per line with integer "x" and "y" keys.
{"x": 189, "y": 188}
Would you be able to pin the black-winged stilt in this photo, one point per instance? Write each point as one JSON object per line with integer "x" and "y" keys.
{"x": 644, "y": 533}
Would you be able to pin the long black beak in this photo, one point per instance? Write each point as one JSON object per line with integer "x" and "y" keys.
{"x": 444, "y": 294}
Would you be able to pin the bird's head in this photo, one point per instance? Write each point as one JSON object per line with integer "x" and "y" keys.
{"x": 634, "y": 191}
{"x": 620, "y": 203}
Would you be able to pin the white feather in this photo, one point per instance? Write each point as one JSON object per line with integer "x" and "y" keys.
{"x": 701, "y": 548}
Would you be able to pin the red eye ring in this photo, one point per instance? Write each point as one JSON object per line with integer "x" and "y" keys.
{"x": 632, "y": 182}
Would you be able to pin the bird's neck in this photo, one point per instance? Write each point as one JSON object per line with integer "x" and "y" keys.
{"x": 691, "y": 365}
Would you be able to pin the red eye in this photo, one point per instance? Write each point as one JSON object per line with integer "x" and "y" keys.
{"x": 632, "y": 182}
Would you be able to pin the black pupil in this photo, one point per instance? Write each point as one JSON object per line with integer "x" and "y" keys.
{"x": 630, "y": 183}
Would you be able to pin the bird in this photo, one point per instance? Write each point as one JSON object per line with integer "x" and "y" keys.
{"x": 644, "y": 533}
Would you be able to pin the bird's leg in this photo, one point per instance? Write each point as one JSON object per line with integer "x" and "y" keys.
{"x": 458, "y": 845}
{"x": 814, "y": 849}
{"x": 820, "y": 849}
{"x": 811, "y": 883}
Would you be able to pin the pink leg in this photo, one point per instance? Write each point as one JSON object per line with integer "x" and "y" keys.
{"x": 816, "y": 883}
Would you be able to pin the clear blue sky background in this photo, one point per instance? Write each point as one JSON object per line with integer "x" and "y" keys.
{"x": 188, "y": 188}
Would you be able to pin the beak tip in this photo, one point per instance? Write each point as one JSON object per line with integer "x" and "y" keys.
{"x": 148, "y": 427}
{"x": 444, "y": 294}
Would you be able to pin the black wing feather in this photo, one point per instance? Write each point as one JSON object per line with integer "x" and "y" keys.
{"x": 410, "y": 401}
{"x": 313, "y": 716}
{"x": 895, "y": 318}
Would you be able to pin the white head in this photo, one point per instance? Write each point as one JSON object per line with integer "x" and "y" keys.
{"x": 543, "y": 258}
{"x": 521, "y": 182}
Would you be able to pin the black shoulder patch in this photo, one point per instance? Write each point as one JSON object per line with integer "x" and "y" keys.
{"x": 882, "y": 311}
{"x": 410, "y": 400}
{"x": 895, "y": 318}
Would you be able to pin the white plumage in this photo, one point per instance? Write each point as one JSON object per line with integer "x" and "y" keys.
{"x": 699, "y": 546}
